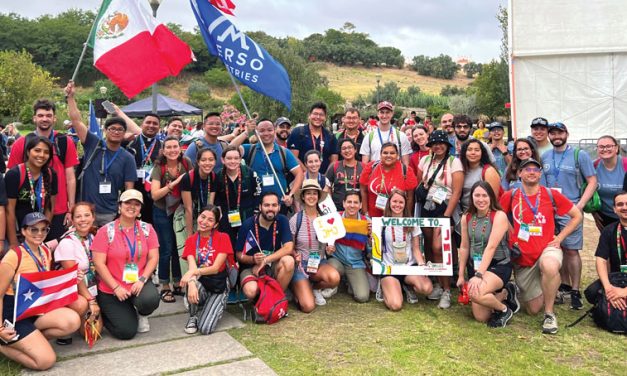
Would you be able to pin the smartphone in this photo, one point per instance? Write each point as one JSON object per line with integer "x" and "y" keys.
{"x": 108, "y": 106}
{"x": 9, "y": 325}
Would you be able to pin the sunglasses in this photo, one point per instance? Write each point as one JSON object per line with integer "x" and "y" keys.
{"x": 540, "y": 121}
{"x": 38, "y": 230}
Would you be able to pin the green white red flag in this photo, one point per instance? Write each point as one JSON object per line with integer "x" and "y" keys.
{"x": 133, "y": 49}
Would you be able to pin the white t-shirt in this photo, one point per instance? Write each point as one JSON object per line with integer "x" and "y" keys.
{"x": 397, "y": 234}
{"x": 372, "y": 149}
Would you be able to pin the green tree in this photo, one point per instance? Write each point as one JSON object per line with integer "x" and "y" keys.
{"x": 472, "y": 68}
{"x": 464, "y": 104}
{"x": 492, "y": 89}
{"x": 450, "y": 90}
{"x": 334, "y": 100}
{"x": 21, "y": 82}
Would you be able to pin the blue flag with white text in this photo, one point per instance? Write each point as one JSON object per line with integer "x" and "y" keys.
{"x": 94, "y": 127}
{"x": 247, "y": 61}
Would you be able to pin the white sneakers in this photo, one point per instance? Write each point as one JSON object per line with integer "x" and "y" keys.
{"x": 143, "y": 325}
{"x": 445, "y": 300}
{"x": 318, "y": 298}
{"x": 327, "y": 293}
{"x": 436, "y": 293}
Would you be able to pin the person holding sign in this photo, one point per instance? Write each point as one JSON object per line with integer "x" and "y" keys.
{"x": 484, "y": 244}
{"x": 26, "y": 341}
{"x": 236, "y": 192}
{"x": 401, "y": 245}
{"x": 379, "y": 179}
{"x": 126, "y": 252}
{"x": 311, "y": 264}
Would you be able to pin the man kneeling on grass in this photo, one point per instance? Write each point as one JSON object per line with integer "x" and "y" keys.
{"x": 265, "y": 245}
{"x": 536, "y": 270}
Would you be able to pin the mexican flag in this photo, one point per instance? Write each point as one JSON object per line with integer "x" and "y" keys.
{"x": 133, "y": 49}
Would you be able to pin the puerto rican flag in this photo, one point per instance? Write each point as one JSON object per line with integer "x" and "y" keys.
{"x": 42, "y": 292}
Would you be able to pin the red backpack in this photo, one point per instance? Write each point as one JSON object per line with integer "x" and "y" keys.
{"x": 272, "y": 303}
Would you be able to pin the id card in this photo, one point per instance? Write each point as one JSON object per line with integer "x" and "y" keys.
{"x": 623, "y": 268}
{"x": 235, "y": 219}
{"x": 523, "y": 232}
{"x": 104, "y": 188}
{"x": 440, "y": 195}
{"x": 382, "y": 200}
{"x": 268, "y": 180}
{"x": 476, "y": 260}
{"x": 313, "y": 262}
{"x": 130, "y": 274}
{"x": 535, "y": 230}
{"x": 90, "y": 281}
{"x": 141, "y": 173}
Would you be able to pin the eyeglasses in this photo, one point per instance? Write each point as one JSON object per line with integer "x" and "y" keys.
{"x": 606, "y": 147}
{"x": 115, "y": 130}
{"x": 522, "y": 149}
{"x": 351, "y": 147}
{"x": 38, "y": 230}
{"x": 532, "y": 169}
{"x": 462, "y": 127}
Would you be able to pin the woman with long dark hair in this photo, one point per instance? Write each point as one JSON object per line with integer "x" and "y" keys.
{"x": 523, "y": 149}
{"x": 477, "y": 167}
{"x": 198, "y": 186}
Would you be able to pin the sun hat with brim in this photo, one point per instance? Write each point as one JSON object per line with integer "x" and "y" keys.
{"x": 32, "y": 219}
{"x": 438, "y": 136}
{"x": 527, "y": 162}
{"x": 310, "y": 184}
{"x": 131, "y": 194}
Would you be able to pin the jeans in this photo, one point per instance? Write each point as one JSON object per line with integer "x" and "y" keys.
{"x": 168, "y": 252}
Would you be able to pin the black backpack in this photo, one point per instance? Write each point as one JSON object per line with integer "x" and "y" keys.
{"x": 603, "y": 313}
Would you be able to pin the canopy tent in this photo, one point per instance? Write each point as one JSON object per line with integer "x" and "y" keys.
{"x": 166, "y": 106}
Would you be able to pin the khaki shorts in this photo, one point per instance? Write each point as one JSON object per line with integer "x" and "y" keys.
{"x": 528, "y": 278}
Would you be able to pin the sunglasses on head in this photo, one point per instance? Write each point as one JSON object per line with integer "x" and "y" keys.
{"x": 540, "y": 121}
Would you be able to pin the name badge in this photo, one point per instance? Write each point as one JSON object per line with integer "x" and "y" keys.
{"x": 104, "y": 187}
{"x": 400, "y": 252}
{"x": 268, "y": 180}
{"x": 523, "y": 232}
{"x": 90, "y": 281}
{"x": 313, "y": 262}
{"x": 130, "y": 274}
{"x": 235, "y": 219}
{"x": 623, "y": 268}
{"x": 382, "y": 200}
{"x": 557, "y": 189}
{"x": 440, "y": 195}
{"x": 535, "y": 230}
{"x": 476, "y": 259}
{"x": 141, "y": 173}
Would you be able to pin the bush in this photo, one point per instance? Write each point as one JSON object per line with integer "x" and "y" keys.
{"x": 217, "y": 77}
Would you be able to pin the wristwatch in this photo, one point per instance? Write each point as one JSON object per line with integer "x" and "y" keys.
{"x": 142, "y": 279}
{"x": 479, "y": 275}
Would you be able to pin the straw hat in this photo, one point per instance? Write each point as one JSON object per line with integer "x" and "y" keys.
{"x": 310, "y": 184}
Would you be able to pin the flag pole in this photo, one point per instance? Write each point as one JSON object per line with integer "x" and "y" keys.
{"x": 239, "y": 93}
{"x": 91, "y": 30}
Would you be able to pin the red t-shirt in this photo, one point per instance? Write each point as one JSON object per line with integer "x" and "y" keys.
{"x": 532, "y": 249}
{"x": 71, "y": 160}
{"x": 380, "y": 182}
{"x": 118, "y": 251}
{"x": 206, "y": 255}
{"x": 414, "y": 160}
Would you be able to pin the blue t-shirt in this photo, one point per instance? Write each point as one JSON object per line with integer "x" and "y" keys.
{"x": 192, "y": 151}
{"x": 300, "y": 139}
{"x": 610, "y": 183}
{"x": 121, "y": 170}
{"x": 261, "y": 167}
{"x": 499, "y": 161}
{"x": 247, "y": 231}
{"x": 560, "y": 172}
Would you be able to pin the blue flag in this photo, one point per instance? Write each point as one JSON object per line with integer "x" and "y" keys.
{"x": 246, "y": 60}
{"x": 94, "y": 127}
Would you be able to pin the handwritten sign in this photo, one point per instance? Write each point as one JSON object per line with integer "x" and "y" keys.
{"x": 329, "y": 228}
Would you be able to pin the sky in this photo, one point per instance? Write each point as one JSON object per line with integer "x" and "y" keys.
{"x": 458, "y": 28}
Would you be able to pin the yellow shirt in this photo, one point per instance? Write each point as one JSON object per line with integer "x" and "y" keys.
{"x": 27, "y": 264}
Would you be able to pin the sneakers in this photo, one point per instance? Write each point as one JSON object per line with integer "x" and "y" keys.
{"x": 143, "y": 325}
{"x": 549, "y": 326}
{"x": 445, "y": 300}
{"x": 512, "y": 297}
{"x": 575, "y": 300}
{"x": 327, "y": 293}
{"x": 64, "y": 341}
{"x": 318, "y": 298}
{"x": 562, "y": 293}
{"x": 412, "y": 298}
{"x": 192, "y": 325}
{"x": 436, "y": 293}
{"x": 500, "y": 319}
{"x": 379, "y": 293}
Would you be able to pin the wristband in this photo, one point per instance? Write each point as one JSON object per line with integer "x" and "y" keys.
{"x": 116, "y": 287}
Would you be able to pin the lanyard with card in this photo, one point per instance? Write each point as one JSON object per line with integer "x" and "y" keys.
{"x": 527, "y": 230}
{"x": 440, "y": 195}
{"x": 37, "y": 191}
{"x": 274, "y": 232}
{"x": 90, "y": 274}
{"x": 620, "y": 246}
{"x": 234, "y": 216}
{"x": 131, "y": 271}
{"x": 313, "y": 262}
{"x": 477, "y": 256}
{"x": 203, "y": 199}
{"x": 382, "y": 194}
{"x": 556, "y": 168}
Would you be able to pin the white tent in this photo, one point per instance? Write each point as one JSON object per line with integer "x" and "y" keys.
{"x": 569, "y": 64}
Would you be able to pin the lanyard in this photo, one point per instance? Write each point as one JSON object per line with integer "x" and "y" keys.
{"x": 394, "y": 234}
{"x": 199, "y": 255}
{"x": 556, "y": 169}
{"x": 390, "y": 138}
{"x": 534, "y": 208}
{"x": 200, "y": 198}
{"x": 382, "y": 185}
{"x": 353, "y": 179}
{"x": 136, "y": 242}
{"x": 313, "y": 140}
{"x": 620, "y": 245}
{"x": 106, "y": 162}
{"x": 309, "y": 242}
{"x": 473, "y": 229}
{"x": 145, "y": 153}
{"x": 41, "y": 266}
{"x": 239, "y": 188}
{"x": 37, "y": 191}
{"x": 273, "y": 234}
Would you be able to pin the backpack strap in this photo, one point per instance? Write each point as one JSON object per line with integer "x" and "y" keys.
{"x": 624, "y": 163}
{"x": 596, "y": 162}
{"x": 145, "y": 229}
{"x": 252, "y": 152}
{"x": 21, "y": 168}
{"x": 299, "y": 222}
{"x": 111, "y": 231}
{"x": 61, "y": 144}
{"x": 336, "y": 165}
{"x": 191, "y": 178}
{"x": 483, "y": 171}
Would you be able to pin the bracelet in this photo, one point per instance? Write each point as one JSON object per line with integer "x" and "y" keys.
{"x": 116, "y": 287}
{"x": 93, "y": 302}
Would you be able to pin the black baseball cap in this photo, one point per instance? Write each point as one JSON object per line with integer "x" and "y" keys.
{"x": 539, "y": 122}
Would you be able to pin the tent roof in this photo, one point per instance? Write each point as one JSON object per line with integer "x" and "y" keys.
{"x": 166, "y": 106}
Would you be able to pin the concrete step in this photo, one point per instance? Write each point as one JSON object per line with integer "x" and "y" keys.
{"x": 154, "y": 359}
{"x": 252, "y": 366}
{"x": 163, "y": 328}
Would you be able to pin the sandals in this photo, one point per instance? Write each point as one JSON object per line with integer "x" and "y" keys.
{"x": 167, "y": 296}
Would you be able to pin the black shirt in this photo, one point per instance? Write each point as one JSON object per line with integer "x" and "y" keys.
{"x": 607, "y": 249}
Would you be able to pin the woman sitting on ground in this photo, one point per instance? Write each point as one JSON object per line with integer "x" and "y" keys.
{"x": 75, "y": 248}
{"x": 401, "y": 246}
{"x": 311, "y": 264}
{"x": 27, "y": 343}
{"x": 484, "y": 244}
{"x": 206, "y": 253}
{"x": 126, "y": 252}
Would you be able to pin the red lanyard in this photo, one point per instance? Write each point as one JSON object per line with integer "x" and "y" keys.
{"x": 239, "y": 188}
{"x": 382, "y": 185}
{"x": 473, "y": 230}
{"x": 353, "y": 179}
{"x": 620, "y": 245}
{"x": 33, "y": 190}
{"x": 313, "y": 140}
{"x": 394, "y": 234}
{"x": 308, "y": 233}
{"x": 273, "y": 234}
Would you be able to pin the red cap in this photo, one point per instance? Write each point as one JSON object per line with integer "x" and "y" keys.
{"x": 385, "y": 104}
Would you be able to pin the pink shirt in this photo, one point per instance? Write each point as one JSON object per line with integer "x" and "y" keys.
{"x": 71, "y": 248}
{"x": 118, "y": 251}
